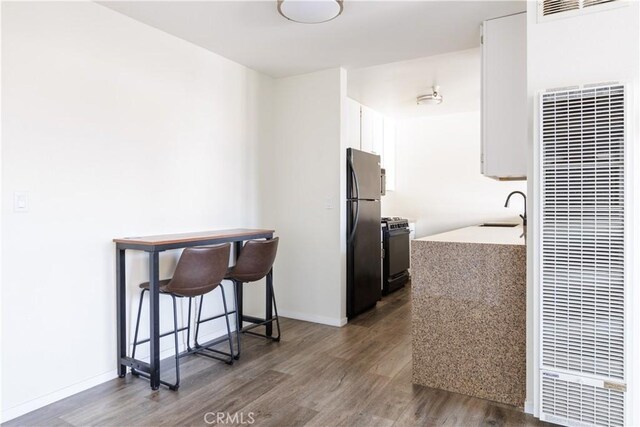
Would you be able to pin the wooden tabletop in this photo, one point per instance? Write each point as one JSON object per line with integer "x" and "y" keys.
{"x": 166, "y": 239}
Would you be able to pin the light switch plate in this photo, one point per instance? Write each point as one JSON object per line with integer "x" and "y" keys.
{"x": 20, "y": 202}
{"x": 328, "y": 203}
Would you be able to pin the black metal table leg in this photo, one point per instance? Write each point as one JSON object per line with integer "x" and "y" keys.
{"x": 269, "y": 304}
{"x": 154, "y": 319}
{"x": 121, "y": 299}
{"x": 238, "y": 288}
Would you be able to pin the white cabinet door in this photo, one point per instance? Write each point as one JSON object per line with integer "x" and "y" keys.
{"x": 366, "y": 136}
{"x": 504, "y": 97}
{"x": 378, "y": 134}
{"x": 353, "y": 123}
{"x": 370, "y": 131}
{"x": 372, "y": 135}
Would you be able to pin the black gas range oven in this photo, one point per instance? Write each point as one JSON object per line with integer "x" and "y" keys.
{"x": 395, "y": 243}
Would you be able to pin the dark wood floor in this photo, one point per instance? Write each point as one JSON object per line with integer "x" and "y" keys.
{"x": 358, "y": 375}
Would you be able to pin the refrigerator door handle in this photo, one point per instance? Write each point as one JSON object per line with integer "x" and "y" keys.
{"x": 355, "y": 179}
{"x": 355, "y": 221}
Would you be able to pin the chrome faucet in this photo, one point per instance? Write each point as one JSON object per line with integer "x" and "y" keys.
{"x": 506, "y": 205}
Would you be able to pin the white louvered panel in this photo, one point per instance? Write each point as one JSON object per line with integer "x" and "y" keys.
{"x": 582, "y": 231}
{"x": 572, "y": 403}
{"x": 548, "y": 8}
{"x": 588, "y": 3}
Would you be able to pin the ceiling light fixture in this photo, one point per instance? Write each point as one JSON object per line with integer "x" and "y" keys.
{"x": 310, "y": 11}
{"x": 433, "y": 98}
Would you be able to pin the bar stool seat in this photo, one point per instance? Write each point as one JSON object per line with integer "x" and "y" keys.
{"x": 164, "y": 289}
{"x": 162, "y": 286}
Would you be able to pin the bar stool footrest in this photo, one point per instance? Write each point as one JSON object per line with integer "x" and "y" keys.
{"x": 211, "y": 343}
{"x": 259, "y": 322}
{"x": 276, "y": 339}
{"x": 228, "y": 360}
{"x": 216, "y": 317}
{"x": 166, "y": 334}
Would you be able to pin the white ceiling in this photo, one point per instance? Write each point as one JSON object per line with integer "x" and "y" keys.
{"x": 367, "y": 33}
{"x": 392, "y": 88}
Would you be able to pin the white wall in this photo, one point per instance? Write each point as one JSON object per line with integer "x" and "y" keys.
{"x": 593, "y": 48}
{"x": 438, "y": 180}
{"x": 115, "y": 129}
{"x": 301, "y": 195}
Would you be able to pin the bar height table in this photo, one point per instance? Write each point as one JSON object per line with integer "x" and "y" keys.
{"x": 153, "y": 245}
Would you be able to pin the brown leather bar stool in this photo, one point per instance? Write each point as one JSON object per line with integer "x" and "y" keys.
{"x": 199, "y": 271}
{"x": 254, "y": 263}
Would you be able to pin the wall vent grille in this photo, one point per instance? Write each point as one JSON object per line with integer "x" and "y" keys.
{"x": 583, "y": 232}
{"x": 551, "y": 7}
{"x": 548, "y": 8}
{"x": 589, "y": 3}
{"x": 570, "y": 403}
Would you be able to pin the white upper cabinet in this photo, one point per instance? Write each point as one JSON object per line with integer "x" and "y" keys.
{"x": 372, "y": 128}
{"x": 504, "y": 97}
{"x": 378, "y": 134}
{"x": 353, "y": 123}
{"x": 370, "y": 131}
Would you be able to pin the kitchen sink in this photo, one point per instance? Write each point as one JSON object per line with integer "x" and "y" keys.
{"x": 499, "y": 224}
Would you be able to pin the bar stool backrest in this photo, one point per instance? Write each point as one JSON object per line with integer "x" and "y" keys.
{"x": 255, "y": 261}
{"x": 200, "y": 270}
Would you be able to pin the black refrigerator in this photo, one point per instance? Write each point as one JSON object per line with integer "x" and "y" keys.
{"x": 363, "y": 231}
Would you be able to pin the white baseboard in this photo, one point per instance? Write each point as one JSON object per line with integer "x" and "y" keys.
{"x": 331, "y": 321}
{"x": 528, "y": 407}
{"x": 47, "y": 399}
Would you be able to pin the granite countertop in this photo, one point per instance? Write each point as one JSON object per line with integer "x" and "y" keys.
{"x": 481, "y": 235}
